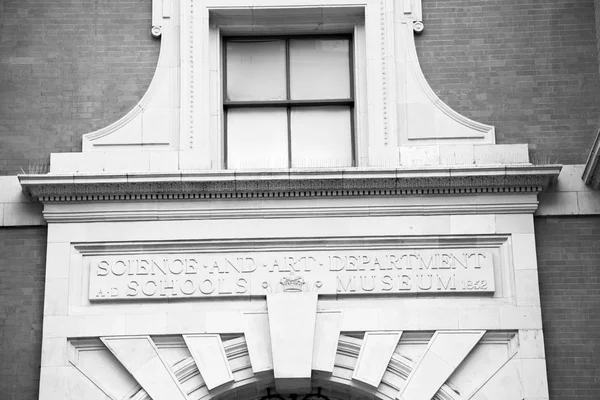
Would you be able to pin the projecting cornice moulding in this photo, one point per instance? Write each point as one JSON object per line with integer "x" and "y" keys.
{"x": 289, "y": 183}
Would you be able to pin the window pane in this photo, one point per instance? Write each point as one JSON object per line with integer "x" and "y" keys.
{"x": 321, "y": 137}
{"x": 256, "y": 70}
{"x": 319, "y": 69}
{"x": 257, "y": 138}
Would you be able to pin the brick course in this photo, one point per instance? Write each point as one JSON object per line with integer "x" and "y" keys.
{"x": 22, "y": 273}
{"x": 568, "y": 250}
{"x": 68, "y": 68}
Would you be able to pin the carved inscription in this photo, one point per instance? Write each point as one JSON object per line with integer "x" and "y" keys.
{"x": 155, "y": 276}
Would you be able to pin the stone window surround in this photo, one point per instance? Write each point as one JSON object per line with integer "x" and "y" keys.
{"x": 177, "y": 125}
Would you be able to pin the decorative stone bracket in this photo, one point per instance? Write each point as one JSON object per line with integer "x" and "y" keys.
{"x": 161, "y": 10}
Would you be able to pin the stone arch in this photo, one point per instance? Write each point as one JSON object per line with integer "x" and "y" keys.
{"x": 295, "y": 348}
{"x": 338, "y": 385}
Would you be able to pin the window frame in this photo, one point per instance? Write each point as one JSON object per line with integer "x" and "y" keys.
{"x": 288, "y": 104}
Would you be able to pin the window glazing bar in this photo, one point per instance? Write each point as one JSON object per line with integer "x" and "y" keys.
{"x": 289, "y": 103}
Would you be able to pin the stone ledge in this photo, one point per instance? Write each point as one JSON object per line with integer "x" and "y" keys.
{"x": 290, "y": 183}
{"x": 406, "y": 157}
{"x": 570, "y": 195}
{"x": 16, "y": 209}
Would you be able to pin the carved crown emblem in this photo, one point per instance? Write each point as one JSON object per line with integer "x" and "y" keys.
{"x": 292, "y": 283}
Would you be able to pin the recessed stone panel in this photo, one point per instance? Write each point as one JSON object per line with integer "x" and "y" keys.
{"x": 139, "y": 355}
{"x": 209, "y": 355}
{"x": 258, "y": 340}
{"x": 446, "y": 350}
{"x": 328, "y": 267}
{"x": 375, "y": 354}
{"x": 327, "y": 335}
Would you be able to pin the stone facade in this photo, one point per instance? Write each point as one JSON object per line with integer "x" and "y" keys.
{"x": 412, "y": 275}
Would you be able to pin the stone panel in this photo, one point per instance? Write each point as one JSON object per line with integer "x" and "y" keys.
{"x": 375, "y": 354}
{"x": 327, "y": 333}
{"x": 446, "y": 351}
{"x": 209, "y": 355}
{"x": 139, "y": 355}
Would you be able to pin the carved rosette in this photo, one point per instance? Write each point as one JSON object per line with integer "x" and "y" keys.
{"x": 156, "y": 31}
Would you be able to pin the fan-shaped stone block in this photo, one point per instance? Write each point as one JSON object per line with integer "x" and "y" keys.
{"x": 94, "y": 361}
{"x": 484, "y": 361}
{"x": 258, "y": 340}
{"x": 141, "y": 358}
{"x": 375, "y": 354}
{"x": 209, "y": 355}
{"x": 444, "y": 354}
{"x": 327, "y": 335}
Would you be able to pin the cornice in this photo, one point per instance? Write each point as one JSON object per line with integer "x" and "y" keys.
{"x": 289, "y": 183}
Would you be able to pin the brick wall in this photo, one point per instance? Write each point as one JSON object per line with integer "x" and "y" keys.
{"x": 568, "y": 250}
{"x": 68, "y": 68}
{"x": 530, "y": 68}
{"x": 22, "y": 272}
{"x": 597, "y": 16}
